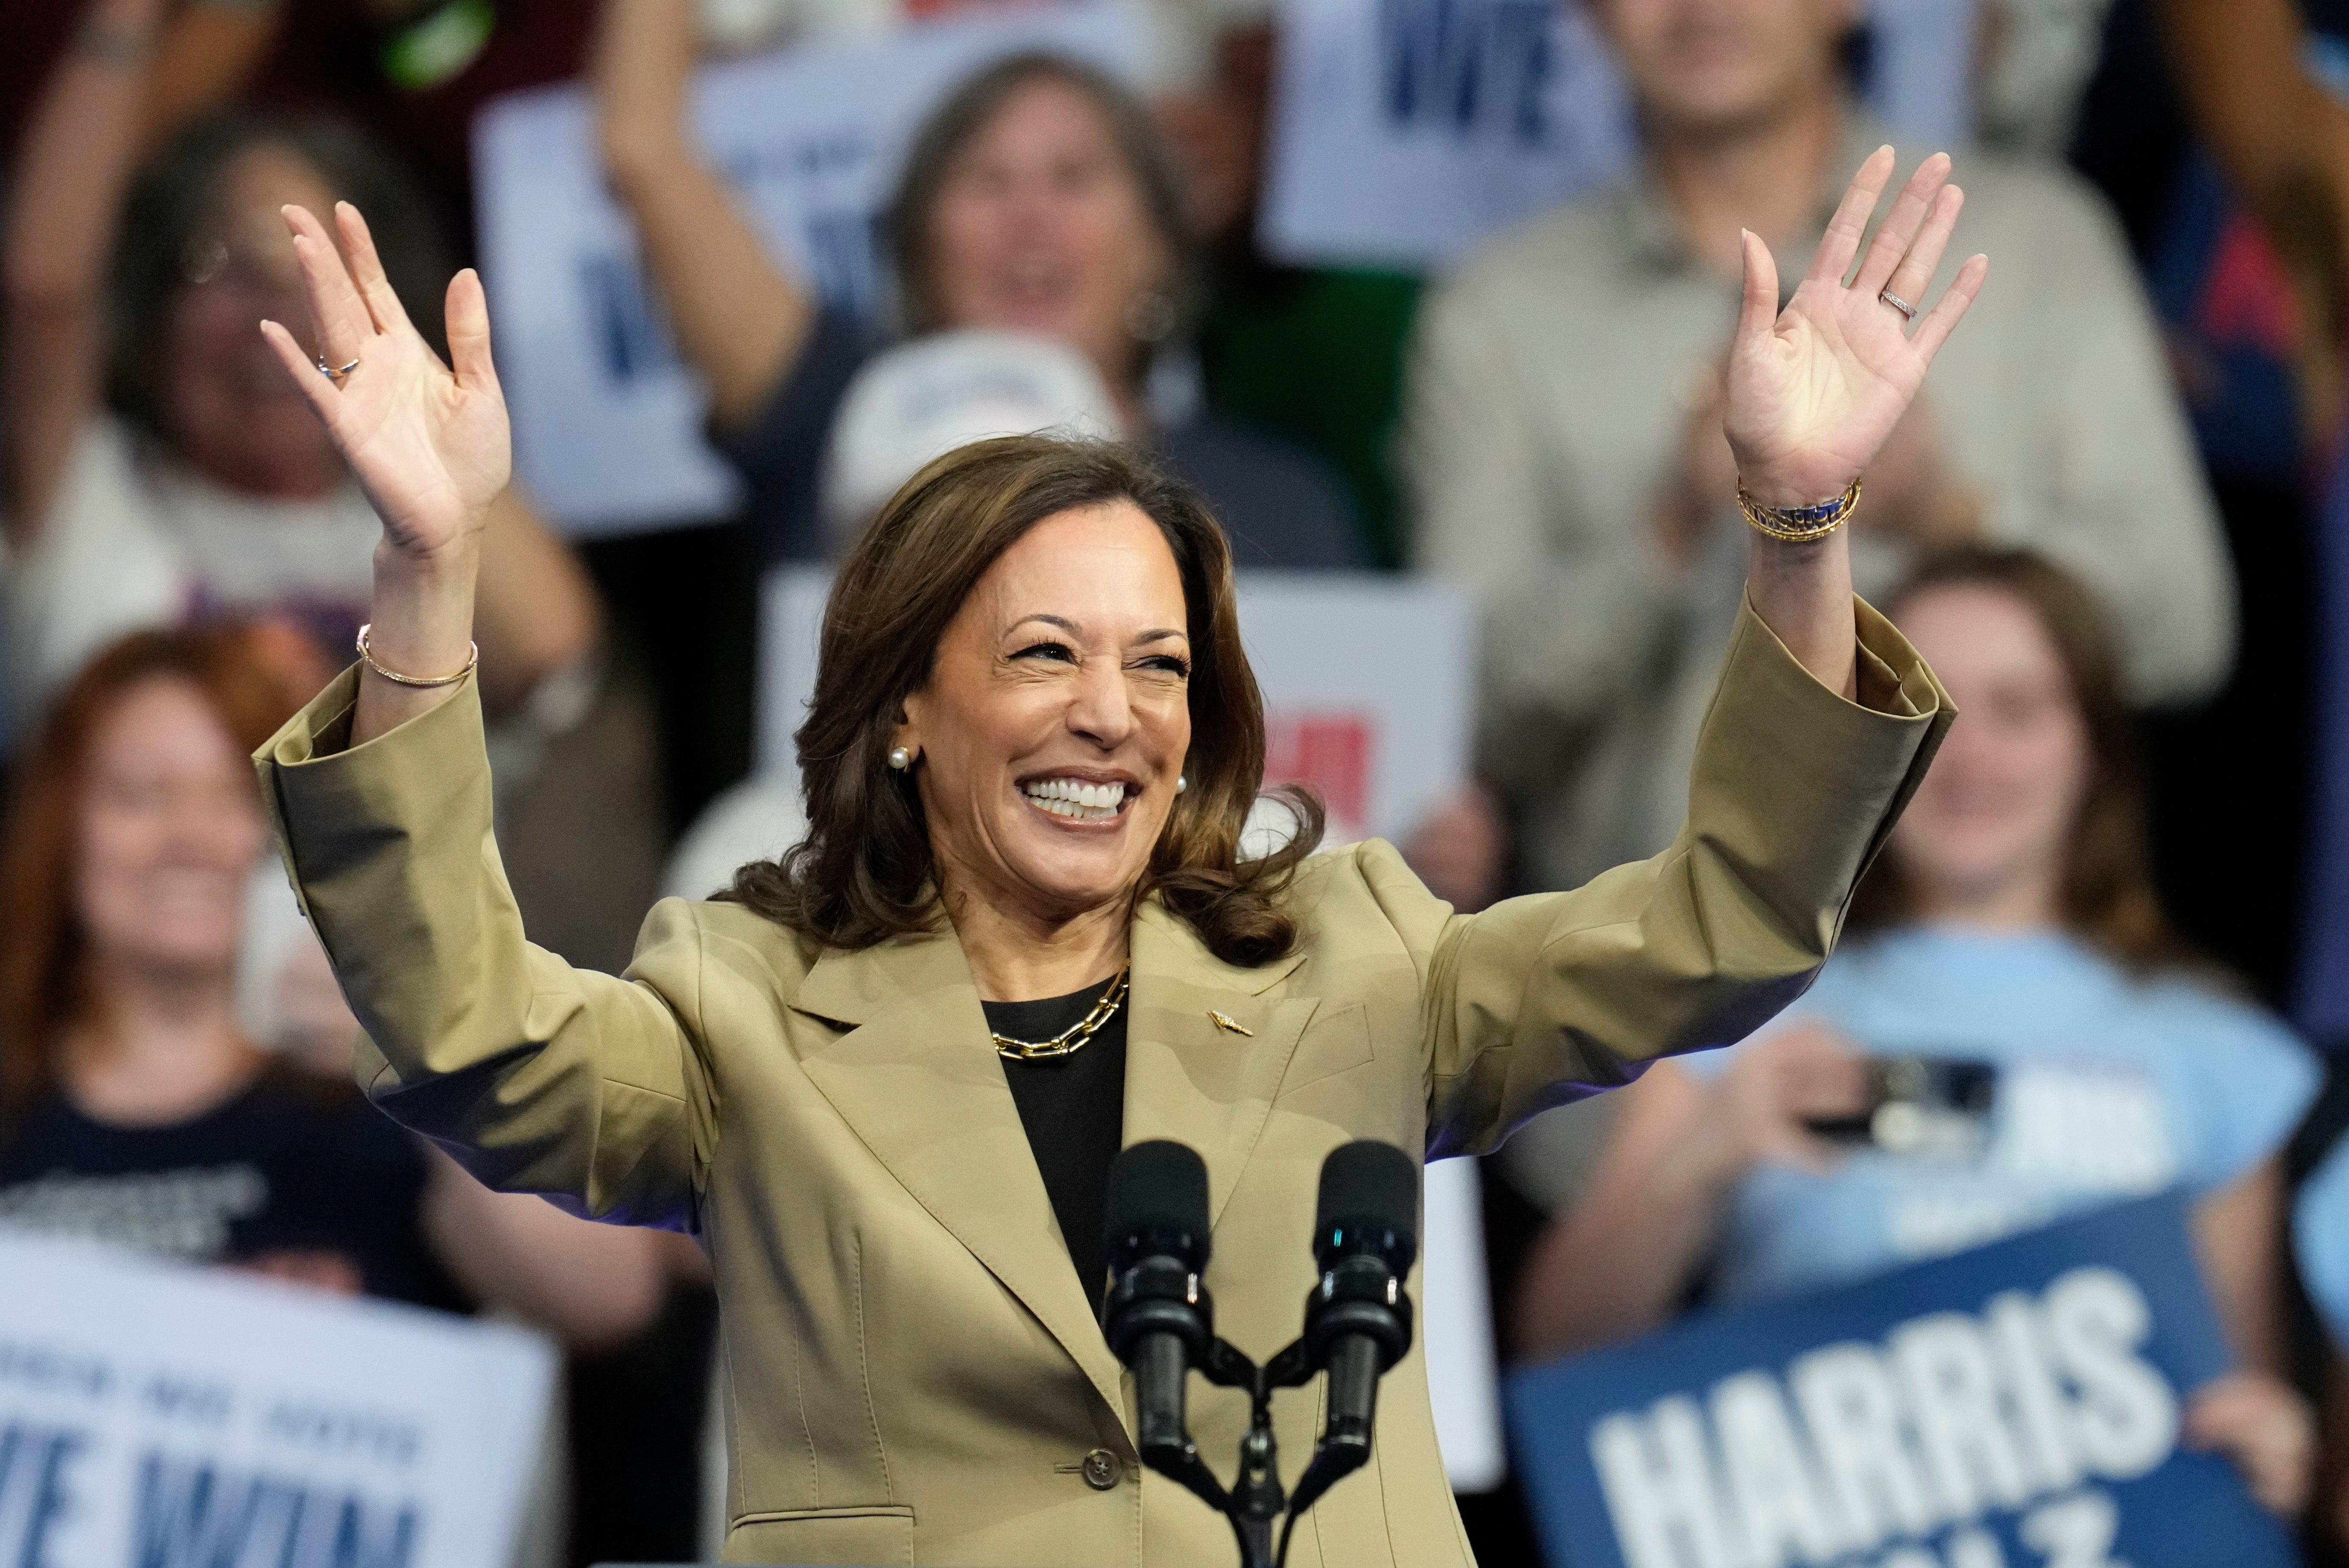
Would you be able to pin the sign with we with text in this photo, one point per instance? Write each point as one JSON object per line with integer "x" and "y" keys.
{"x": 2014, "y": 1407}
{"x": 153, "y": 1415}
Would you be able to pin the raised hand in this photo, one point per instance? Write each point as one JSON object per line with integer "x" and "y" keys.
{"x": 431, "y": 447}
{"x": 1815, "y": 389}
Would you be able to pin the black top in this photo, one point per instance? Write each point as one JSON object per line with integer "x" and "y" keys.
{"x": 1074, "y": 1110}
{"x": 293, "y": 1164}
{"x": 1279, "y": 505}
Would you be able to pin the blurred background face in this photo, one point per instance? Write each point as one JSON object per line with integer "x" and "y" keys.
{"x": 1720, "y": 66}
{"x": 170, "y": 831}
{"x": 2000, "y": 801}
{"x": 1056, "y": 720}
{"x": 226, "y": 399}
{"x": 1040, "y": 226}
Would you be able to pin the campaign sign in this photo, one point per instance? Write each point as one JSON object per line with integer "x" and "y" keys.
{"x": 158, "y": 1415}
{"x": 1405, "y": 131}
{"x": 2014, "y": 1407}
{"x": 607, "y": 420}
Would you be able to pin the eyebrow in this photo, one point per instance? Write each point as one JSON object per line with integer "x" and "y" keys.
{"x": 1159, "y": 634}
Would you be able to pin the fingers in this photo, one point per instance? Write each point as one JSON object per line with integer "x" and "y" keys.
{"x": 1841, "y": 242}
{"x": 1759, "y": 311}
{"x": 1914, "y": 276}
{"x": 1945, "y": 317}
{"x": 336, "y": 311}
{"x": 468, "y": 317}
{"x": 312, "y": 384}
{"x": 367, "y": 268}
{"x": 1894, "y": 238}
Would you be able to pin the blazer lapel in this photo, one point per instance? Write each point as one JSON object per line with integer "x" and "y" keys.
{"x": 1188, "y": 1077}
{"x": 916, "y": 1078}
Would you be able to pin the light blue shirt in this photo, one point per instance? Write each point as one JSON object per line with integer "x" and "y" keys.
{"x": 2111, "y": 1085}
{"x": 2320, "y": 1234}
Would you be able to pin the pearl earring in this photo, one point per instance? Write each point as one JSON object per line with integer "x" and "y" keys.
{"x": 1182, "y": 782}
{"x": 900, "y": 758}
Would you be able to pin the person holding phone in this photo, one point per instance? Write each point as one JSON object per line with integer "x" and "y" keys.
{"x": 2014, "y": 1037}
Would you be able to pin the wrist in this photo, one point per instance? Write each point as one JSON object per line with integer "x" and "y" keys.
{"x": 1790, "y": 490}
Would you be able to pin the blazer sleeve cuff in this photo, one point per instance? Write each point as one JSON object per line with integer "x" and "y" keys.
{"x": 1793, "y": 776}
{"x": 317, "y": 787}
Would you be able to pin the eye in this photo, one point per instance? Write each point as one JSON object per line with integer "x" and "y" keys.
{"x": 1056, "y": 651}
{"x": 1172, "y": 664}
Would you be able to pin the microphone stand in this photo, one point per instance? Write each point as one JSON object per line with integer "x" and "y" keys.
{"x": 1256, "y": 1501}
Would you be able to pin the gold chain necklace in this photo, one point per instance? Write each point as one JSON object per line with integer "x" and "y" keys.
{"x": 1069, "y": 1040}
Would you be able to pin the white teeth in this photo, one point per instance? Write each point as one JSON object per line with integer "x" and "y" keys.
{"x": 1076, "y": 798}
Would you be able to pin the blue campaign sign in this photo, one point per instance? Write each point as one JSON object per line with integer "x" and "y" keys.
{"x": 2014, "y": 1407}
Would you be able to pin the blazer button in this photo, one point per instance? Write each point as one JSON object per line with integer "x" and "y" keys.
{"x": 1100, "y": 1470}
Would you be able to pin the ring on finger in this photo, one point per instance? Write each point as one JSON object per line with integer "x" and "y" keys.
{"x": 1907, "y": 310}
{"x": 336, "y": 373}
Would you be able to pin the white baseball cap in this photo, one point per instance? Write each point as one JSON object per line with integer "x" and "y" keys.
{"x": 922, "y": 399}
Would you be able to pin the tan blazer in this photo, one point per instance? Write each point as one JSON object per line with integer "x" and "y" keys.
{"x": 912, "y": 1371}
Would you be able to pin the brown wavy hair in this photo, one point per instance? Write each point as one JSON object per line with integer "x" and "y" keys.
{"x": 41, "y": 977}
{"x": 2108, "y": 894}
{"x": 864, "y": 871}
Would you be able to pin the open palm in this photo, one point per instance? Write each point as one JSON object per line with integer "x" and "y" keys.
{"x": 1814, "y": 389}
{"x": 430, "y": 445}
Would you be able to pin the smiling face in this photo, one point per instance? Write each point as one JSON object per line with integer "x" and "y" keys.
{"x": 1995, "y": 814}
{"x": 170, "y": 831}
{"x": 1041, "y": 225}
{"x": 229, "y": 404}
{"x": 1056, "y": 719}
{"x": 1719, "y": 66}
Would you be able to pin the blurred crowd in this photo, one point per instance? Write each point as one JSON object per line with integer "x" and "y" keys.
{"x": 2107, "y": 525}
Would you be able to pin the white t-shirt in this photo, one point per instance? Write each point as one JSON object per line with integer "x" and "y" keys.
{"x": 136, "y": 539}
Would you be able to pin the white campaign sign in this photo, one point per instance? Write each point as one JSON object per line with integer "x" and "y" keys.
{"x": 158, "y": 1415}
{"x": 1403, "y": 131}
{"x": 1366, "y": 681}
{"x": 1406, "y": 132}
{"x": 608, "y": 421}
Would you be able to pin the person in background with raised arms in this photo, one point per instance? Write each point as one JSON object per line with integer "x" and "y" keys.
{"x": 885, "y": 1077}
{"x": 153, "y": 473}
{"x": 1036, "y": 200}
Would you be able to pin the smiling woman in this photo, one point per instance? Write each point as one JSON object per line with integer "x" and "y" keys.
{"x": 883, "y": 1080}
{"x": 1046, "y": 631}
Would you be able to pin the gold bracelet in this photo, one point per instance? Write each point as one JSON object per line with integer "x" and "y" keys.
{"x": 1799, "y": 524}
{"x": 395, "y": 676}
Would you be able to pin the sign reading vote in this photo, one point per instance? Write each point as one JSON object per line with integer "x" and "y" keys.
{"x": 155, "y": 1415}
{"x": 608, "y": 421}
{"x": 2015, "y": 1406}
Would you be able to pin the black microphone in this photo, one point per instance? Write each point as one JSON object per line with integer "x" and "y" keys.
{"x": 1357, "y": 1319}
{"x": 1156, "y": 1314}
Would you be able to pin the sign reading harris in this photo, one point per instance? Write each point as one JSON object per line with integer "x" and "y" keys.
{"x": 155, "y": 1415}
{"x": 2015, "y": 1406}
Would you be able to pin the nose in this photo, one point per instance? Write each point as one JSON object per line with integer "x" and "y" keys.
{"x": 1100, "y": 709}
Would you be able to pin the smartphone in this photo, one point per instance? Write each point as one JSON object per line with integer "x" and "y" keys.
{"x": 1925, "y": 1107}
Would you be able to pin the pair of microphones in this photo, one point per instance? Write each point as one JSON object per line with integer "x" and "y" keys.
{"x": 1160, "y": 1322}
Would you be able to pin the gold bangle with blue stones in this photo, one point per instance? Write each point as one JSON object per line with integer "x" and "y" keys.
{"x": 1799, "y": 524}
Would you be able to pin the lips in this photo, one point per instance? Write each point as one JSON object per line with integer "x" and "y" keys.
{"x": 1080, "y": 800}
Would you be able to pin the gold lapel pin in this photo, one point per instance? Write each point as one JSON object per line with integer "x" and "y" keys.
{"x": 1233, "y": 1024}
